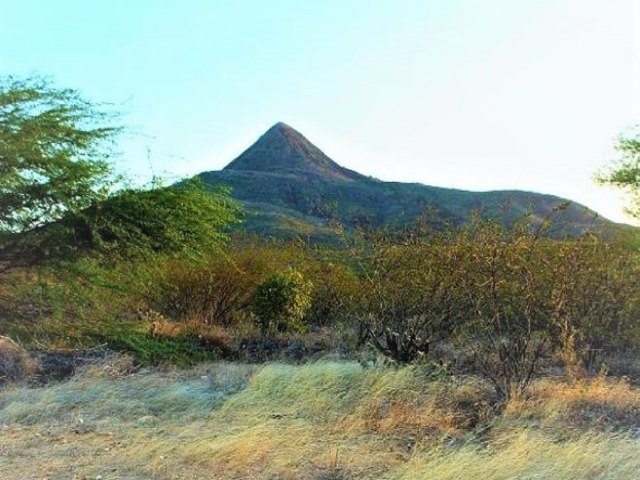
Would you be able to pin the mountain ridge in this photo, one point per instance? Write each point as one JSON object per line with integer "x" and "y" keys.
{"x": 291, "y": 187}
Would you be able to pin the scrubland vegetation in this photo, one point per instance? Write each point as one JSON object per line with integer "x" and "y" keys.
{"x": 504, "y": 304}
{"x": 475, "y": 352}
{"x": 142, "y": 339}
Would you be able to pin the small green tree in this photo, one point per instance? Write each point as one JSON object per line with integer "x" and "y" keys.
{"x": 55, "y": 149}
{"x": 281, "y": 302}
{"x": 625, "y": 173}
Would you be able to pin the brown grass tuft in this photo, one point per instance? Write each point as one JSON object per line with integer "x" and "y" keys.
{"x": 15, "y": 362}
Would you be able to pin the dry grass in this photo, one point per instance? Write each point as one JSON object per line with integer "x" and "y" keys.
{"x": 529, "y": 455}
{"x": 591, "y": 404}
{"x": 326, "y": 421}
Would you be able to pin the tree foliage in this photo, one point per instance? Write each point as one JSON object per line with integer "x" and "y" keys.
{"x": 281, "y": 301}
{"x": 56, "y": 187}
{"x": 55, "y": 148}
{"x": 625, "y": 173}
{"x": 188, "y": 219}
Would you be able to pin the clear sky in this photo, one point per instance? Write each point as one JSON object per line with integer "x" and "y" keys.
{"x": 473, "y": 94}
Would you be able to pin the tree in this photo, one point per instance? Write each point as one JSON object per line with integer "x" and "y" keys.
{"x": 625, "y": 173}
{"x": 57, "y": 199}
{"x": 188, "y": 219}
{"x": 55, "y": 148}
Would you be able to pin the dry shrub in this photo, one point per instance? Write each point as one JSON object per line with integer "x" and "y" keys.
{"x": 111, "y": 365}
{"x": 15, "y": 362}
{"x": 209, "y": 333}
{"x": 415, "y": 294}
{"x": 213, "y": 337}
{"x": 216, "y": 291}
{"x": 335, "y": 294}
{"x": 164, "y": 329}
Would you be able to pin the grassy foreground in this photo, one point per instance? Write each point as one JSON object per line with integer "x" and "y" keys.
{"x": 327, "y": 420}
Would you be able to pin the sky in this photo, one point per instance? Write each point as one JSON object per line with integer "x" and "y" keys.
{"x": 470, "y": 94}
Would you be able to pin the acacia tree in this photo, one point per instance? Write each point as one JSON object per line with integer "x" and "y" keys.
{"x": 188, "y": 219}
{"x": 56, "y": 186}
{"x": 625, "y": 173}
{"x": 55, "y": 148}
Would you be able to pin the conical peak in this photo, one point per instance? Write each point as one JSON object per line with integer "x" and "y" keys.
{"x": 283, "y": 136}
{"x": 280, "y": 126}
{"x": 284, "y": 149}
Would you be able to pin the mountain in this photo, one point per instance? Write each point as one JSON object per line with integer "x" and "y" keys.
{"x": 290, "y": 187}
{"x": 284, "y": 150}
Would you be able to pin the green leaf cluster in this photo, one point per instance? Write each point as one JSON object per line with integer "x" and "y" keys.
{"x": 625, "y": 173}
{"x": 188, "y": 219}
{"x": 281, "y": 302}
{"x": 55, "y": 149}
{"x": 57, "y": 198}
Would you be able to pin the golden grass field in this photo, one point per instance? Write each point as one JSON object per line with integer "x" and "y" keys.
{"x": 325, "y": 420}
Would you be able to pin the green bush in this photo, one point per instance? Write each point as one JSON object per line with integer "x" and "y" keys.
{"x": 281, "y": 302}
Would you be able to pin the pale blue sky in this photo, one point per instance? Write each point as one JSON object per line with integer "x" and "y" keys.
{"x": 475, "y": 94}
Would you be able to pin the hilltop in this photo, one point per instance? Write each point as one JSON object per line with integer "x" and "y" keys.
{"x": 283, "y": 149}
{"x": 291, "y": 187}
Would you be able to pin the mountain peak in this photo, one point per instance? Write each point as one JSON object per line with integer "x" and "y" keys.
{"x": 281, "y": 126}
{"x": 283, "y": 149}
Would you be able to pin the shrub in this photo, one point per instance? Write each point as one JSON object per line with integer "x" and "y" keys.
{"x": 509, "y": 297}
{"x": 281, "y": 302}
{"x": 213, "y": 292}
{"x": 510, "y": 315}
{"x": 15, "y": 363}
{"x": 595, "y": 300}
{"x": 415, "y": 294}
{"x": 334, "y": 295}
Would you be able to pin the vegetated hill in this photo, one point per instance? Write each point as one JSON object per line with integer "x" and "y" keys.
{"x": 290, "y": 187}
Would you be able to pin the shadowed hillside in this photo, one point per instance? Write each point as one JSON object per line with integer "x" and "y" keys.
{"x": 290, "y": 187}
